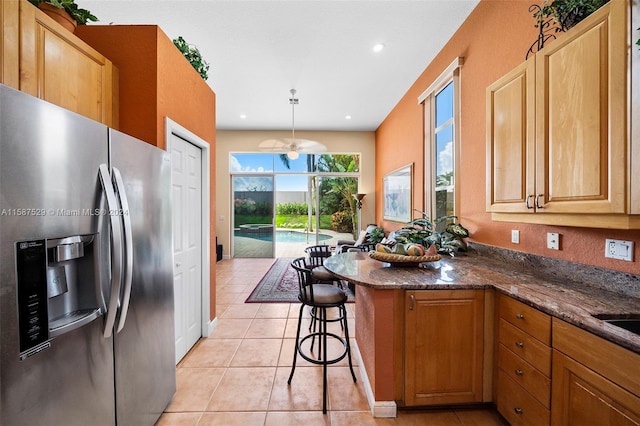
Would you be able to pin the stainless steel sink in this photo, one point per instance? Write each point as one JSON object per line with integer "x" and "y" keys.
{"x": 630, "y": 324}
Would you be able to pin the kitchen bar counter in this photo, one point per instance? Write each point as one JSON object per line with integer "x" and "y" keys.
{"x": 579, "y": 303}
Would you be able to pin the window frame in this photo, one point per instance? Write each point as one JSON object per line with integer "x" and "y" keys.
{"x": 427, "y": 99}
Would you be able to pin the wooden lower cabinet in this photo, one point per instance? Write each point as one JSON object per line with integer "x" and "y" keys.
{"x": 518, "y": 406}
{"x": 443, "y": 347}
{"x": 595, "y": 382}
{"x": 526, "y": 375}
{"x": 583, "y": 397}
{"x": 523, "y": 392}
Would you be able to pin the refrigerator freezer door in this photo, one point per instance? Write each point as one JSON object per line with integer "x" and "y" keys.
{"x": 49, "y": 187}
{"x": 144, "y": 348}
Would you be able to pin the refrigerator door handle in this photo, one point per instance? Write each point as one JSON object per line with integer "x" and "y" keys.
{"x": 116, "y": 244}
{"x": 128, "y": 246}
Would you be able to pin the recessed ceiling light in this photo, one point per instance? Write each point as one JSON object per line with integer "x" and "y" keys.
{"x": 348, "y": 117}
{"x": 378, "y": 47}
{"x": 243, "y": 116}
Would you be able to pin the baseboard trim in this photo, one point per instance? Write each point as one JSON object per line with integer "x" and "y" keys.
{"x": 381, "y": 409}
{"x": 212, "y": 326}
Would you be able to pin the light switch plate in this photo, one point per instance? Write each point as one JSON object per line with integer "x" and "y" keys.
{"x": 515, "y": 236}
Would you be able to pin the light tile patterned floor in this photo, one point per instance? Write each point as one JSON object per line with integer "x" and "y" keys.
{"x": 238, "y": 375}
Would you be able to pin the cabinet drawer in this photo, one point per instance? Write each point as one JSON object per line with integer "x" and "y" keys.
{"x": 518, "y": 406}
{"x": 531, "y": 350}
{"x": 523, "y": 373}
{"x": 531, "y": 320}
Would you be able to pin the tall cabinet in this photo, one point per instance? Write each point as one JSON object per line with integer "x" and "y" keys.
{"x": 559, "y": 144}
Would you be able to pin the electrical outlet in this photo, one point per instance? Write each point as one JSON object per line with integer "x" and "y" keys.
{"x": 619, "y": 249}
{"x": 553, "y": 240}
{"x": 515, "y": 236}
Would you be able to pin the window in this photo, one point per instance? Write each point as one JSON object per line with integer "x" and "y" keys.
{"x": 441, "y": 135}
{"x": 241, "y": 163}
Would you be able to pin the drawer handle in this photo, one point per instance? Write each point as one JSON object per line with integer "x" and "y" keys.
{"x": 518, "y": 410}
{"x": 519, "y": 372}
{"x": 520, "y": 316}
{"x": 411, "y": 302}
{"x": 520, "y": 344}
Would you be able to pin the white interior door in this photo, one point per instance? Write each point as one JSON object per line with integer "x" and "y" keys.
{"x": 186, "y": 174}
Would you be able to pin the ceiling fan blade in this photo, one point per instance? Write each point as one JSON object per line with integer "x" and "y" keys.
{"x": 307, "y": 146}
{"x": 274, "y": 145}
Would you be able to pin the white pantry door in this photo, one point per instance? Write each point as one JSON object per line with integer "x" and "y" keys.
{"x": 186, "y": 181}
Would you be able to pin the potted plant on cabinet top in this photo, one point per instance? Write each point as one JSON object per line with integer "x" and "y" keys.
{"x": 65, "y": 12}
{"x": 568, "y": 13}
{"x": 192, "y": 54}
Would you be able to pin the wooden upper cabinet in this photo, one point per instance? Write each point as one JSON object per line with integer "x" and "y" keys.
{"x": 559, "y": 142}
{"x": 580, "y": 123}
{"x": 55, "y": 65}
{"x": 511, "y": 140}
{"x": 443, "y": 347}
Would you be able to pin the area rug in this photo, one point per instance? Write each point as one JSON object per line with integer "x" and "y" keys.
{"x": 280, "y": 285}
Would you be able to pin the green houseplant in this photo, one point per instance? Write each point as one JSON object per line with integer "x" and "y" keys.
{"x": 193, "y": 56}
{"x": 81, "y": 16}
{"x": 449, "y": 239}
{"x": 567, "y": 13}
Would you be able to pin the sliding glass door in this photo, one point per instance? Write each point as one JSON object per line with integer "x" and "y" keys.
{"x": 253, "y": 216}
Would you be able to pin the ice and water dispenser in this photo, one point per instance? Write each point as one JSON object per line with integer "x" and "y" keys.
{"x": 58, "y": 288}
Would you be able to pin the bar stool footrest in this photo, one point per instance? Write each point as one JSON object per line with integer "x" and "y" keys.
{"x": 320, "y": 361}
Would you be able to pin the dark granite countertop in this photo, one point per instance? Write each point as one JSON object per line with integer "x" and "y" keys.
{"x": 571, "y": 296}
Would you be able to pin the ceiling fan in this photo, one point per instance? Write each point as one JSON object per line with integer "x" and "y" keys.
{"x": 291, "y": 146}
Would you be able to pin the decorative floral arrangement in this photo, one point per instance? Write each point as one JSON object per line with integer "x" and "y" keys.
{"x": 423, "y": 231}
{"x": 193, "y": 56}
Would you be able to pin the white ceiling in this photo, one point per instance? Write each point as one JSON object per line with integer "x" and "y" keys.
{"x": 259, "y": 50}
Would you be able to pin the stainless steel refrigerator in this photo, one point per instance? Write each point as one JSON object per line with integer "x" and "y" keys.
{"x": 86, "y": 292}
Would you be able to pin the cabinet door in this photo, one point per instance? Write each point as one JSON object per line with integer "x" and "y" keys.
{"x": 9, "y": 43}
{"x": 511, "y": 141}
{"x": 443, "y": 346}
{"x": 581, "y": 117}
{"x": 60, "y": 68}
{"x": 582, "y": 397}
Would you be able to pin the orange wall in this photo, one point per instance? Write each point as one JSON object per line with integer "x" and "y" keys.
{"x": 493, "y": 40}
{"x": 157, "y": 82}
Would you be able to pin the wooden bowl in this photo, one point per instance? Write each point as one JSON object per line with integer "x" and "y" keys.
{"x": 401, "y": 260}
